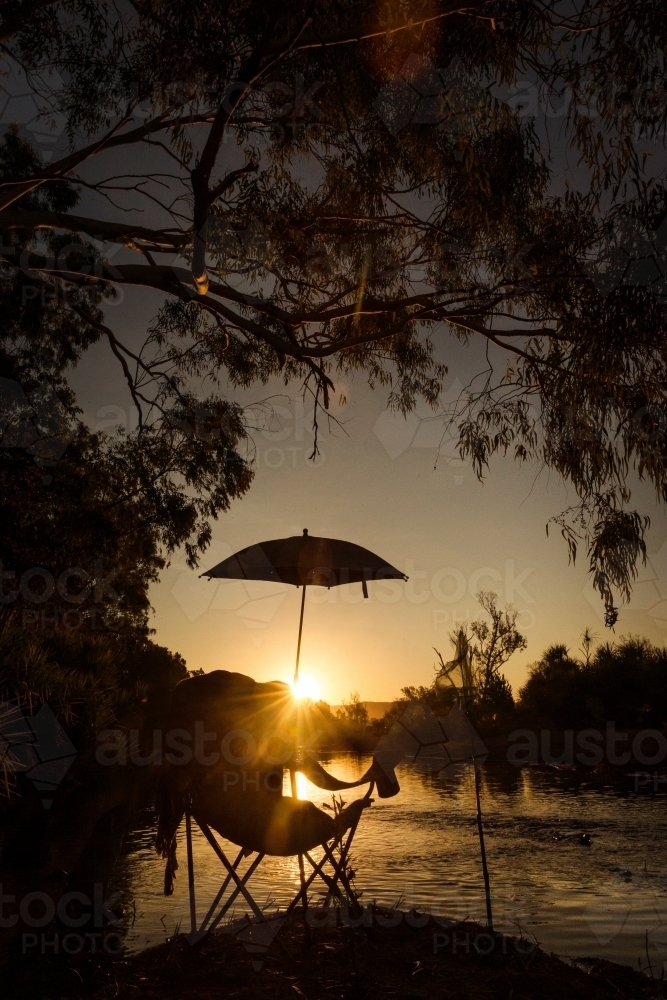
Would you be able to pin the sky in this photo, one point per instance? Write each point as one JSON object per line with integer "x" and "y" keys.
{"x": 394, "y": 486}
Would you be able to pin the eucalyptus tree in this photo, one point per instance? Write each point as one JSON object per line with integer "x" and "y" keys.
{"x": 339, "y": 187}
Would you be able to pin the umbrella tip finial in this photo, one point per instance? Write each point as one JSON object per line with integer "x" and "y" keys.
{"x": 305, "y": 531}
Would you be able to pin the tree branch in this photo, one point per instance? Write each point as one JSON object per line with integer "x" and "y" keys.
{"x": 114, "y": 232}
{"x": 9, "y": 193}
{"x": 315, "y": 41}
{"x": 251, "y": 72}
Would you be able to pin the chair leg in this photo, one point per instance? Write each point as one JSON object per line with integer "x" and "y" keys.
{"x": 237, "y": 892}
{"x": 196, "y": 934}
{"x": 339, "y": 873}
{"x": 231, "y": 875}
{"x": 339, "y": 866}
{"x": 304, "y": 890}
{"x": 331, "y": 881}
{"x": 295, "y": 901}
{"x": 239, "y": 882}
{"x": 327, "y": 879}
{"x": 221, "y": 892}
{"x": 191, "y": 872}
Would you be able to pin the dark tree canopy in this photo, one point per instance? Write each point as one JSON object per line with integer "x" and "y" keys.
{"x": 625, "y": 681}
{"x": 342, "y": 187}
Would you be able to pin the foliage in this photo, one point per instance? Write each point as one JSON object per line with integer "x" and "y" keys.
{"x": 293, "y": 231}
{"x": 624, "y": 682}
{"x": 493, "y": 646}
{"x": 353, "y": 711}
{"x": 479, "y": 658}
{"x": 90, "y": 681}
{"x": 109, "y": 512}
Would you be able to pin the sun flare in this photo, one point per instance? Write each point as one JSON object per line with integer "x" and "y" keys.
{"x": 307, "y": 688}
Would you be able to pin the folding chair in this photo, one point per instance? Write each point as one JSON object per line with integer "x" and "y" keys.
{"x": 237, "y": 794}
{"x": 257, "y": 933}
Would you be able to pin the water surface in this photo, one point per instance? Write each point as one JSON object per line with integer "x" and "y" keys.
{"x": 421, "y": 849}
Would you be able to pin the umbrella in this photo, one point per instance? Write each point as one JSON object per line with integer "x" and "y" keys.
{"x": 306, "y": 561}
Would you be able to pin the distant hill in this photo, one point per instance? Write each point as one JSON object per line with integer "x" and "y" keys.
{"x": 375, "y": 709}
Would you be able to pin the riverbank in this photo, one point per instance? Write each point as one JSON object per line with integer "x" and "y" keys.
{"x": 371, "y": 961}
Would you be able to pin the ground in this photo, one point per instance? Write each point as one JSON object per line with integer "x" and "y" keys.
{"x": 371, "y": 962}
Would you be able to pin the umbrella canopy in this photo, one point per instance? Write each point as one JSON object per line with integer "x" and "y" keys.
{"x": 306, "y": 560}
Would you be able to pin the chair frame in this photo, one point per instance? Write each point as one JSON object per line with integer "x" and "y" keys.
{"x": 235, "y": 884}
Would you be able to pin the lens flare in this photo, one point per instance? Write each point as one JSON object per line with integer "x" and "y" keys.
{"x": 307, "y": 688}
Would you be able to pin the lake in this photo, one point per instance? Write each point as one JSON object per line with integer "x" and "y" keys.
{"x": 421, "y": 849}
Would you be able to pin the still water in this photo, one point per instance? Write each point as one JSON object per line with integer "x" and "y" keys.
{"x": 421, "y": 849}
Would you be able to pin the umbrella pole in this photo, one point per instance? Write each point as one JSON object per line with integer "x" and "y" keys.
{"x": 302, "y": 874}
{"x": 296, "y": 677}
{"x": 298, "y": 645}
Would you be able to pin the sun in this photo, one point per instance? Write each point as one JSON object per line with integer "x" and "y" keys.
{"x": 307, "y": 687}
